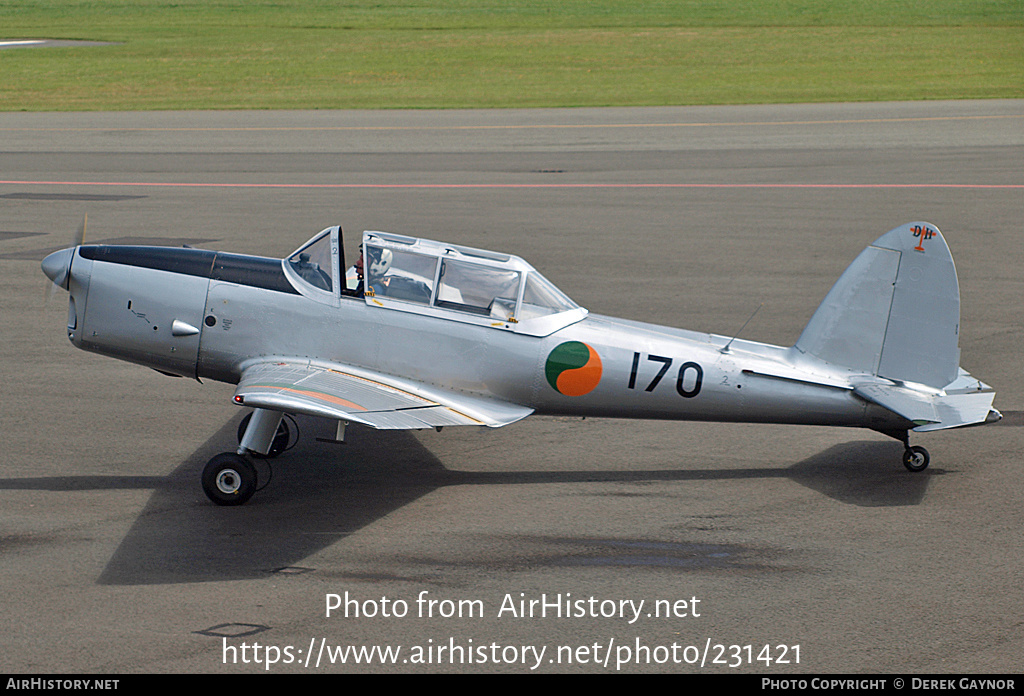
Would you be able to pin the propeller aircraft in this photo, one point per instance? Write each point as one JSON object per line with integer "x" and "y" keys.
{"x": 423, "y": 334}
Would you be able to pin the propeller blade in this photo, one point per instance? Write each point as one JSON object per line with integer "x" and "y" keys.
{"x": 80, "y": 237}
{"x": 57, "y": 266}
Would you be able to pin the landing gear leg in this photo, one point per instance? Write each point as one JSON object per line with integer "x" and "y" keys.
{"x": 280, "y": 443}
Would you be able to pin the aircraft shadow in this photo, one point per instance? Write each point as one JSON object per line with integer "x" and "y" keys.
{"x": 320, "y": 494}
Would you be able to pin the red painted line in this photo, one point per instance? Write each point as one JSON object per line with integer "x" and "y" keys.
{"x": 155, "y": 184}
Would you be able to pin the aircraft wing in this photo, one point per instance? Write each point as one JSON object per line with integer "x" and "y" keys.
{"x": 360, "y": 396}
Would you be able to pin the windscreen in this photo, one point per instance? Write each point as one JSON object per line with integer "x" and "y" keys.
{"x": 312, "y": 263}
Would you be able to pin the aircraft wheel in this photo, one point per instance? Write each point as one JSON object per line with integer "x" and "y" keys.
{"x": 282, "y": 438}
{"x": 229, "y": 479}
{"x": 916, "y": 458}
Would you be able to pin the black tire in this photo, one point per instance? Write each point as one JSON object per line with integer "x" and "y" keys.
{"x": 229, "y": 479}
{"x": 916, "y": 458}
{"x": 282, "y": 438}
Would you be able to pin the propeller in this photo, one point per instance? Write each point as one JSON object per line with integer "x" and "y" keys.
{"x": 57, "y": 266}
{"x": 80, "y": 236}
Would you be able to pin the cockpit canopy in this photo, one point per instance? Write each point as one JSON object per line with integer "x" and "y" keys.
{"x": 425, "y": 277}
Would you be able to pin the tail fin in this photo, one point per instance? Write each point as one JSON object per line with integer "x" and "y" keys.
{"x": 895, "y": 312}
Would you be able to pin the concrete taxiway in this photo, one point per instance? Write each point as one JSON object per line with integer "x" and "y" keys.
{"x": 528, "y": 548}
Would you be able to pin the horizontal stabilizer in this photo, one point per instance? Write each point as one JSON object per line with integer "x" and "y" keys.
{"x": 937, "y": 411}
{"x": 916, "y": 407}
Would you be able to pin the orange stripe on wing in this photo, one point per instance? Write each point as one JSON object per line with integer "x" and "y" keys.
{"x": 313, "y": 395}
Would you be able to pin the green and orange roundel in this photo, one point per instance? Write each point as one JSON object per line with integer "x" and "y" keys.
{"x": 573, "y": 368}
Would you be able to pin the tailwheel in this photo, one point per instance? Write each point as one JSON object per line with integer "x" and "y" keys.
{"x": 229, "y": 479}
{"x": 916, "y": 458}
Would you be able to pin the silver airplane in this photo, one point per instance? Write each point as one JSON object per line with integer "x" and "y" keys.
{"x": 430, "y": 335}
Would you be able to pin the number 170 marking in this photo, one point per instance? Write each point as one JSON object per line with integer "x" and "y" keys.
{"x": 682, "y": 379}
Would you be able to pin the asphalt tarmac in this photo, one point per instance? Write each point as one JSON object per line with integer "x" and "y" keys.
{"x": 753, "y": 549}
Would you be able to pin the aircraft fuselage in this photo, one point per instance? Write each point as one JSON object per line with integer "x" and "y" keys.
{"x": 203, "y": 314}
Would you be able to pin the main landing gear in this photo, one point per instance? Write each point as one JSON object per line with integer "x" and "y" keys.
{"x": 230, "y": 478}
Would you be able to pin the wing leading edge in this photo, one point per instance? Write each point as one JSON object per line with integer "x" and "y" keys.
{"x": 346, "y": 393}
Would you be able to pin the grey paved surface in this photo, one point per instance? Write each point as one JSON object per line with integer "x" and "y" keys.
{"x": 114, "y": 561}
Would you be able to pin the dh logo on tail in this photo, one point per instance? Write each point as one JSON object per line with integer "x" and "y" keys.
{"x": 922, "y": 233}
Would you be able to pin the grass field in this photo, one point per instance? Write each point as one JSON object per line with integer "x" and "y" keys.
{"x": 314, "y": 54}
